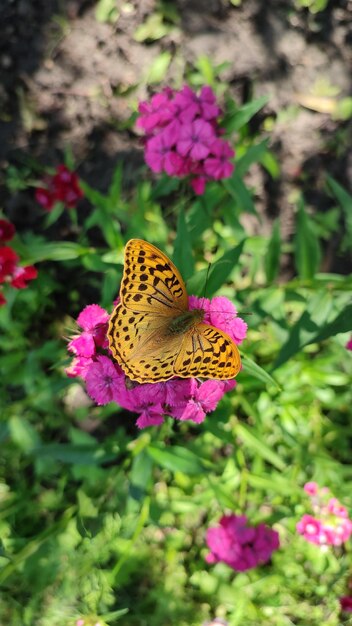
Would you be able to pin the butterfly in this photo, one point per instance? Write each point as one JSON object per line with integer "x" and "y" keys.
{"x": 153, "y": 334}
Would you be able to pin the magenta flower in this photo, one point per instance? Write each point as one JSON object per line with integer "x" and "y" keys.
{"x": 349, "y": 344}
{"x": 194, "y": 139}
{"x": 183, "y": 399}
{"x": 217, "y": 165}
{"x": 240, "y": 546}
{"x": 12, "y": 273}
{"x": 94, "y": 321}
{"x": 103, "y": 380}
{"x": 223, "y": 315}
{"x": 183, "y": 137}
{"x": 346, "y": 604}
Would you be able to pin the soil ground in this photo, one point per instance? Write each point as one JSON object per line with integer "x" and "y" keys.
{"x": 65, "y": 75}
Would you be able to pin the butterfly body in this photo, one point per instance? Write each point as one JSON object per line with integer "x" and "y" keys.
{"x": 153, "y": 334}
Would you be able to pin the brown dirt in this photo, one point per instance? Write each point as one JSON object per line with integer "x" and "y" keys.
{"x": 63, "y": 75}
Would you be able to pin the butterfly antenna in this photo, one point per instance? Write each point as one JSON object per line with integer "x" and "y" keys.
{"x": 206, "y": 281}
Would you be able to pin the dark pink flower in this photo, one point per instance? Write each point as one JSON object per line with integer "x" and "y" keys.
{"x": 146, "y": 400}
{"x": 62, "y": 187}
{"x": 346, "y": 604}
{"x": 103, "y": 379}
{"x": 240, "y": 546}
{"x": 349, "y": 344}
{"x": 45, "y": 197}
{"x": 217, "y": 164}
{"x": 8, "y": 263}
{"x": 22, "y": 275}
{"x": 195, "y": 139}
{"x": 160, "y": 154}
{"x": 7, "y": 231}
{"x": 155, "y": 113}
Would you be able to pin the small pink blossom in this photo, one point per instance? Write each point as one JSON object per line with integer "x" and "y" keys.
{"x": 103, "y": 380}
{"x": 22, "y": 275}
{"x": 217, "y": 165}
{"x": 94, "y": 321}
{"x": 79, "y": 366}
{"x": 240, "y": 546}
{"x": 349, "y": 344}
{"x": 194, "y": 139}
{"x": 223, "y": 315}
{"x": 198, "y": 185}
{"x": 311, "y": 488}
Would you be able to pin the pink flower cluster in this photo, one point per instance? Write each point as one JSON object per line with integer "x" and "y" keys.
{"x": 62, "y": 187}
{"x": 239, "y": 545}
{"x": 10, "y": 271}
{"x": 183, "y": 136}
{"x": 182, "y": 399}
{"x": 330, "y": 525}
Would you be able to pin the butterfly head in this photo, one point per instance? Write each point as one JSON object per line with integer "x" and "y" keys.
{"x": 184, "y": 321}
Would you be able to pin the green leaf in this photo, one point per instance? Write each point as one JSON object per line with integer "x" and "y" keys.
{"x": 307, "y": 248}
{"x": 272, "y": 257}
{"x": 183, "y": 252}
{"x": 253, "y": 154}
{"x": 23, "y": 434}
{"x": 240, "y": 193}
{"x": 310, "y": 327}
{"x": 253, "y": 369}
{"x": 345, "y": 201}
{"x": 341, "y": 324}
{"x": 106, "y": 11}
{"x": 76, "y": 454}
{"x": 254, "y": 442}
{"x": 176, "y": 459}
{"x": 221, "y": 270}
{"x": 242, "y": 116}
{"x": 158, "y": 69}
{"x": 154, "y": 28}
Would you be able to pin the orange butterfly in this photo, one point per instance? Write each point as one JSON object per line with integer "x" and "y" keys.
{"x": 153, "y": 335}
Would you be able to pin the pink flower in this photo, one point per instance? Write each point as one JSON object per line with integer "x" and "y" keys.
{"x": 160, "y": 154}
{"x": 240, "y": 546}
{"x": 349, "y": 344}
{"x": 217, "y": 165}
{"x": 311, "y": 488}
{"x": 223, "y": 315}
{"x": 94, "y": 321}
{"x": 45, "y": 197}
{"x": 195, "y": 138}
{"x": 103, "y": 380}
{"x": 197, "y": 400}
{"x": 79, "y": 367}
{"x": 155, "y": 113}
{"x": 7, "y": 231}
{"x": 311, "y": 529}
{"x": 198, "y": 185}
{"x": 346, "y": 604}
{"x": 146, "y": 400}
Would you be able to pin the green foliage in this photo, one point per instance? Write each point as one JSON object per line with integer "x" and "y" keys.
{"x": 102, "y": 522}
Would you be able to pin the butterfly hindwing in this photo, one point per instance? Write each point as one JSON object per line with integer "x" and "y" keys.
{"x": 208, "y": 353}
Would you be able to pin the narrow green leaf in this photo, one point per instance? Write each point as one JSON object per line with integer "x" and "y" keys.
{"x": 176, "y": 459}
{"x": 253, "y": 154}
{"x": 341, "y": 324}
{"x": 345, "y": 201}
{"x": 244, "y": 114}
{"x": 253, "y": 441}
{"x": 240, "y": 193}
{"x": 307, "y": 248}
{"x": 253, "y": 369}
{"x": 23, "y": 434}
{"x": 221, "y": 270}
{"x": 183, "y": 252}
{"x": 272, "y": 257}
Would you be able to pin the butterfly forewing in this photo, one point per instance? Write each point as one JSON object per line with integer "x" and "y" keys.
{"x": 151, "y": 282}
